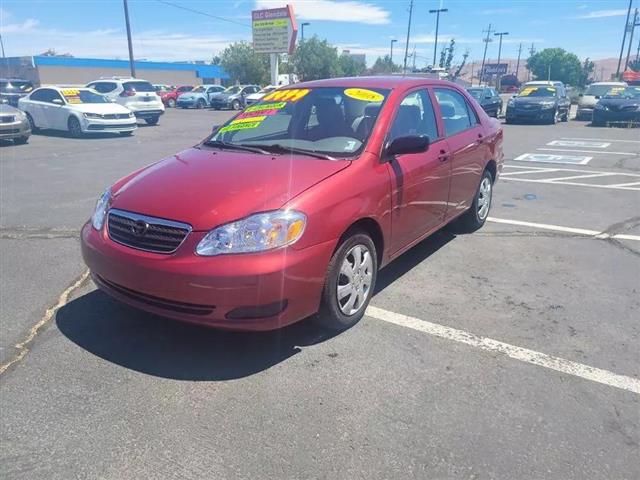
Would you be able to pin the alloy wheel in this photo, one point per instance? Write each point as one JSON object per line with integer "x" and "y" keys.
{"x": 484, "y": 198}
{"x": 354, "y": 280}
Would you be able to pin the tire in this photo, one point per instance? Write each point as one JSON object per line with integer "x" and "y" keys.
{"x": 171, "y": 103}
{"x": 152, "y": 120}
{"x": 126, "y": 134}
{"x": 565, "y": 117}
{"x": 236, "y": 105}
{"x": 474, "y": 218}
{"x": 216, "y": 108}
{"x": 32, "y": 124}
{"x": 20, "y": 140}
{"x": 341, "y": 313}
{"x": 73, "y": 125}
{"x": 200, "y": 104}
{"x": 554, "y": 118}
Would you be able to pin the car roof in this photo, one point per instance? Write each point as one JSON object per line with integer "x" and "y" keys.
{"x": 615, "y": 84}
{"x": 382, "y": 81}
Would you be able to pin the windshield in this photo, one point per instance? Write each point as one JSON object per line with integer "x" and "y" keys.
{"x": 624, "y": 93}
{"x": 16, "y": 86}
{"x": 336, "y": 121}
{"x": 77, "y": 96}
{"x": 476, "y": 93}
{"x": 233, "y": 89}
{"x": 538, "y": 92}
{"x": 600, "y": 90}
{"x": 199, "y": 89}
{"x": 267, "y": 89}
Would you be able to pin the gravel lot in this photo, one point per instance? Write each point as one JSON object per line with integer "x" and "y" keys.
{"x": 511, "y": 353}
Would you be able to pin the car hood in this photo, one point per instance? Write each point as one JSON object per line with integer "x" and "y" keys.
{"x": 210, "y": 187}
{"x": 101, "y": 108}
{"x": 587, "y": 101}
{"x": 223, "y": 95}
{"x": 533, "y": 100}
{"x": 8, "y": 109}
{"x": 620, "y": 102}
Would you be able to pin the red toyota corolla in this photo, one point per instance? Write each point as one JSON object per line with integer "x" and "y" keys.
{"x": 290, "y": 208}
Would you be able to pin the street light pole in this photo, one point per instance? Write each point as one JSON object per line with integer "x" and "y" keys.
{"x": 393, "y": 40}
{"x": 435, "y": 45}
{"x": 499, "y": 34}
{"x": 518, "y": 64}
{"x": 126, "y": 19}
{"x": 624, "y": 38}
{"x": 302, "y": 25}
{"x": 633, "y": 27}
{"x": 406, "y": 46}
{"x": 484, "y": 56}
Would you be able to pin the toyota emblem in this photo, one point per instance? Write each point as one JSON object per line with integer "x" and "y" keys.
{"x": 139, "y": 228}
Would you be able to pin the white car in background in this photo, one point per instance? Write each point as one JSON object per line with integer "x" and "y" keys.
{"x": 76, "y": 110}
{"x": 256, "y": 97}
{"x": 137, "y": 95}
{"x": 587, "y": 100}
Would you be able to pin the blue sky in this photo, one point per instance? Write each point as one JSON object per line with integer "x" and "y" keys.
{"x": 95, "y": 28}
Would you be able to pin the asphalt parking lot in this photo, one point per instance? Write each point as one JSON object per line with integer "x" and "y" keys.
{"x": 510, "y": 353}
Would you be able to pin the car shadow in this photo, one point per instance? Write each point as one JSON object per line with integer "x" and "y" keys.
{"x": 164, "y": 348}
{"x": 85, "y": 136}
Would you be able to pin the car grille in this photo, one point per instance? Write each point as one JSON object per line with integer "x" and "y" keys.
{"x": 110, "y": 127}
{"x": 7, "y": 119}
{"x": 146, "y": 233}
{"x": 114, "y": 116}
{"x": 163, "y": 303}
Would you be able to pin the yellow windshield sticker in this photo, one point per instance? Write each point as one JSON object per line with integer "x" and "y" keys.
{"x": 529, "y": 90}
{"x": 289, "y": 95}
{"x": 248, "y": 119}
{"x": 616, "y": 90}
{"x": 266, "y": 106}
{"x": 364, "y": 94}
{"x": 70, "y": 92}
{"x": 239, "y": 126}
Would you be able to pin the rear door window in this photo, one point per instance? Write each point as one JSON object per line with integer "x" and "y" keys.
{"x": 415, "y": 117}
{"x": 138, "y": 86}
{"x": 457, "y": 115}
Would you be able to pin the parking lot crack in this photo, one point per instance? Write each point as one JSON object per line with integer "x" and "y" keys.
{"x": 24, "y": 233}
{"x": 23, "y": 346}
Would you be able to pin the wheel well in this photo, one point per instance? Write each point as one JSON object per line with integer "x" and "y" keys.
{"x": 372, "y": 228}
{"x": 493, "y": 169}
{"x": 74, "y": 117}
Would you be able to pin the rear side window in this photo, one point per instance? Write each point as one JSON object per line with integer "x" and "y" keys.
{"x": 457, "y": 115}
{"x": 39, "y": 95}
{"x": 185, "y": 89}
{"x": 138, "y": 86}
{"x": 103, "y": 87}
{"x": 415, "y": 117}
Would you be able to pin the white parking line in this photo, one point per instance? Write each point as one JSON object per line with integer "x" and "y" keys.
{"x": 558, "y": 228}
{"x": 634, "y": 185}
{"x": 593, "y": 175}
{"x": 525, "y": 355}
{"x": 539, "y": 170}
{"x": 604, "y": 152}
{"x": 575, "y": 184}
{"x": 601, "y": 139}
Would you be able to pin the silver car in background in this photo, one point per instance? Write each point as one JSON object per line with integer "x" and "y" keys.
{"x": 14, "y": 125}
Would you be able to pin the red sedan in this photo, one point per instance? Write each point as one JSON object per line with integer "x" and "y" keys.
{"x": 291, "y": 208}
{"x": 170, "y": 98}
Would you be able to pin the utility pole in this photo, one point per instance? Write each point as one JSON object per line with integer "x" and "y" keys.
{"x": 532, "y": 52}
{"x": 126, "y": 19}
{"x": 484, "y": 56}
{"x": 435, "y": 45}
{"x": 406, "y": 46}
{"x": 393, "y": 40}
{"x": 518, "y": 64}
{"x": 633, "y": 27}
{"x": 414, "y": 58}
{"x": 624, "y": 38}
{"x": 302, "y": 25}
{"x": 499, "y": 34}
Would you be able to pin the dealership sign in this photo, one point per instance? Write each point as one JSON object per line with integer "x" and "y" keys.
{"x": 274, "y": 30}
{"x": 495, "y": 69}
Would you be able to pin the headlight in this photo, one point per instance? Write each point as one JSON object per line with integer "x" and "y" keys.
{"x": 21, "y": 115}
{"x": 131, "y": 114}
{"x": 256, "y": 233}
{"x": 92, "y": 115}
{"x": 547, "y": 104}
{"x": 599, "y": 106}
{"x": 100, "y": 212}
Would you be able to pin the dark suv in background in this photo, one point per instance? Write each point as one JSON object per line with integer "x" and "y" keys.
{"x": 13, "y": 89}
{"x": 539, "y": 102}
{"x": 488, "y": 99}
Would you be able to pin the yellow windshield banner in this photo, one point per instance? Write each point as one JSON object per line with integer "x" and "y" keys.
{"x": 290, "y": 95}
{"x": 364, "y": 94}
{"x": 529, "y": 90}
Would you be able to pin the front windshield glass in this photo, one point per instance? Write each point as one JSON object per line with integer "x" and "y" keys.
{"x": 624, "y": 93}
{"x": 476, "y": 93}
{"x": 233, "y": 89}
{"x": 538, "y": 92}
{"x": 199, "y": 89}
{"x": 77, "y": 96}
{"x": 336, "y": 121}
{"x": 599, "y": 90}
{"x": 16, "y": 86}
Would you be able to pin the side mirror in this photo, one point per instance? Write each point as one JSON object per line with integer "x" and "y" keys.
{"x": 215, "y": 128}
{"x": 407, "y": 144}
{"x": 597, "y": 97}
{"x": 57, "y": 101}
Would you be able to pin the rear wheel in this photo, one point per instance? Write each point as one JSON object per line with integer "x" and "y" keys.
{"x": 73, "y": 125}
{"x": 171, "y": 103}
{"x": 349, "y": 283}
{"x": 200, "y": 104}
{"x": 477, "y": 215}
{"x": 152, "y": 120}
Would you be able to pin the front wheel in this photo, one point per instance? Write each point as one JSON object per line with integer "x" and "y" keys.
{"x": 74, "y": 127}
{"x": 477, "y": 215}
{"x": 349, "y": 283}
{"x": 236, "y": 105}
{"x": 32, "y": 123}
{"x": 21, "y": 140}
{"x": 565, "y": 117}
{"x": 152, "y": 120}
{"x": 200, "y": 104}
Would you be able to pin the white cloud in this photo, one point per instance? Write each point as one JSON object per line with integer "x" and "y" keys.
{"x": 349, "y": 11}
{"x": 604, "y": 14}
{"x": 25, "y": 27}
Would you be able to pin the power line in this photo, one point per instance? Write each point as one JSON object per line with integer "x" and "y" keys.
{"x": 192, "y": 10}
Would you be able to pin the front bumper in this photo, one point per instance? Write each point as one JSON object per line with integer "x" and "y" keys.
{"x": 111, "y": 125}
{"x": 584, "y": 113}
{"x": 16, "y": 129}
{"x": 610, "y": 117}
{"x": 530, "y": 115}
{"x": 205, "y": 290}
{"x": 147, "y": 113}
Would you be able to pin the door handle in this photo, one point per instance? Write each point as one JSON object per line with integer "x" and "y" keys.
{"x": 444, "y": 156}
{"x": 480, "y": 139}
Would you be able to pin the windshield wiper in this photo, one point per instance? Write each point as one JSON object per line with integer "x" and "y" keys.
{"x": 278, "y": 148}
{"x": 236, "y": 146}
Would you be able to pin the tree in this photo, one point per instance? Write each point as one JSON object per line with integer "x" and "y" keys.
{"x": 349, "y": 67}
{"x": 383, "y": 65}
{"x": 556, "y": 64}
{"x": 315, "y": 59}
{"x": 450, "y": 50}
{"x": 461, "y": 66}
{"x": 585, "y": 73}
{"x": 244, "y": 65}
{"x": 216, "y": 60}
{"x": 635, "y": 65}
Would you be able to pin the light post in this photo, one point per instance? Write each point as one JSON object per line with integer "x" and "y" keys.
{"x": 302, "y": 25}
{"x": 132, "y": 66}
{"x": 499, "y": 34}
{"x": 391, "y": 53}
{"x": 435, "y": 45}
